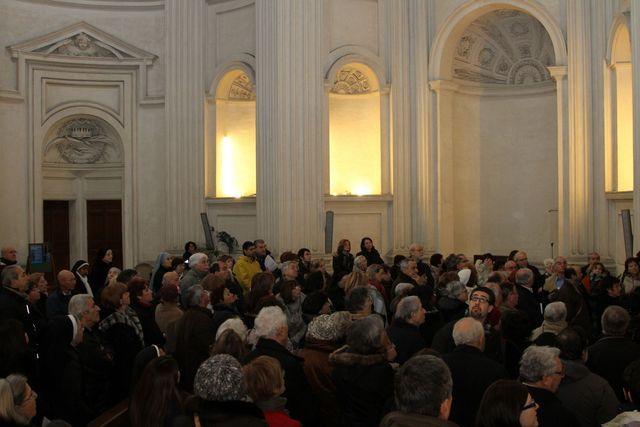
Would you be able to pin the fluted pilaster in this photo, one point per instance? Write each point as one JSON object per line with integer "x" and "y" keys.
{"x": 184, "y": 121}
{"x": 579, "y": 217}
{"x": 289, "y": 97}
{"x": 634, "y": 25}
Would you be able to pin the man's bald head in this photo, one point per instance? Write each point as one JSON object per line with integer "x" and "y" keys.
{"x": 468, "y": 331}
{"x": 9, "y": 253}
{"x": 66, "y": 281}
{"x": 171, "y": 278}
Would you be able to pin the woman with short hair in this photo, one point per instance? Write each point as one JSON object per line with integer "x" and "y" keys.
{"x": 507, "y": 403}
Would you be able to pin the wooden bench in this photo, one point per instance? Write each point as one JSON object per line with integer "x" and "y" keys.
{"x": 117, "y": 416}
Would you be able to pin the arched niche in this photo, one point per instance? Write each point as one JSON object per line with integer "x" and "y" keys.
{"x": 356, "y": 144}
{"x": 231, "y": 135}
{"x": 619, "y": 110}
{"x": 496, "y": 127}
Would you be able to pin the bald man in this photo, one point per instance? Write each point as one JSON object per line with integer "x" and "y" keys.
{"x": 416, "y": 252}
{"x": 58, "y": 301}
{"x": 8, "y": 256}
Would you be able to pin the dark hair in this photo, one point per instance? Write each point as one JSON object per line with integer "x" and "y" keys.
{"x": 341, "y": 243}
{"x": 489, "y": 292}
{"x": 608, "y": 282}
{"x": 314, "y": 302}
{"x": 246, "y": 245}
{"x": 288, "y": 256}
{"x": 495, "y": 278}
{"x": 261, "y": 286}
{"x": 507, "y": 288}
{"x": 364, "y": 239}
{"x": 136, "y": 286}
{"x": 398, "y": 259}
{"x": 502, "y": 404}
{"x": 286, "y": 290}
{"x": 570, "y": 273}
{"x": 629, "y": 261}
{"x": 216, "y": 286}
{"x": 156, "y": 393}
{"x": 189, "y": 243}
{"x": 512, "y": 254}
{"x": 570, "y": 343}
{"x": 357, "y": 299}
{"x": 126, "y": 275}
{"x": 175, "y": 262}
{"x": 422, "y": 384}
{"x": 436, "y": 259}
{"x": 229, "y": 342}
{"x": 169, "y": 293}
{"x": 101, "y": 253}
{"x": 451, "y": 262}
{"x": 302, "y": 251}
{"x": 489, "y": 256}
{"x": 315, "y": 282}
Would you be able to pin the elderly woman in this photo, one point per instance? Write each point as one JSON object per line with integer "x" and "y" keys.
{"x": 453, "y": 304}
{"x": 223, "y": 301}
{"x": 362, "y": 373}
{"x": 324, "y": 336}
{"x": 221, "y": 396}
{"x": 122, "y": 330}
{"x": 17, "y": 401}
{"x": 360, "y": 264}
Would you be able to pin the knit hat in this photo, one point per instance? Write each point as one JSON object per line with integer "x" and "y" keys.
{"x": 329, "y": 327}
{"x": 219, "y": 379}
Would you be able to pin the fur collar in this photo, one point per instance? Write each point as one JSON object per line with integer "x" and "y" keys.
{"x": 343, "y": 356}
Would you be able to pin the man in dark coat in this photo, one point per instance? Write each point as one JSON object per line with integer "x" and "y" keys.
{"x": 541, "y": 370}
{"x": 404, "y": 331}
{"x": 58, "y": 301}
{"x": 471, "y": 370}
{"x": 271, "y": 327}
{"x": 14, "y": 304}
{"x": 522, "y": 261}
{"x": 587, "y": 395}
{"x": 481, "y": 303}
{"x": 527, "y": 298}
{"x": 194, "y": 335}
{"x": 611, "y": 354}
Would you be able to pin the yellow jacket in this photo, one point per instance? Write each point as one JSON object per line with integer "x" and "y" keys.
{"x": 244, "y": 270}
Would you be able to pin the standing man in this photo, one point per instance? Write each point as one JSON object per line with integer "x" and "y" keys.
{"x": 58, "y": 301}
{"x": 247, "y": 266}
{"x": 522, "y": 261}
{"x": 8, "y": 256}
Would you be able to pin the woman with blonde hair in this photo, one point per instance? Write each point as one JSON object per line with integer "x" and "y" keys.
{"x": 17, "y": 401}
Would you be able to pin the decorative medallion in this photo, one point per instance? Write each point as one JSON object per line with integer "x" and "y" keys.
{"x": 81, "y": 141}
{"x": 351, "y": 81}
{"x": 242, "y": 89}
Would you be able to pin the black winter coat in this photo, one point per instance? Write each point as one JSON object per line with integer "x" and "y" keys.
{"x": 125, "y": 343}
{"x": 452, "y": 309}
{"x": 364, "y": 385}
{"x": 528, "y": 302}
{"x": 194, "y": 337}
{"x": 551, "y": 411}
{"x": 373, "y": 257}
{"x": 150, "y": 329}
{"x": 407, "y": 339}
{"x": 223, "y": 414}
{"x": 609, "y": 357}
{"x": 97, "y": 365}
{"x": 300, "y": 399}
{"x": 472, "y": 372}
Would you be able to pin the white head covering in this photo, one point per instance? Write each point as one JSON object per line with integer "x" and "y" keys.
{"x": 464, "y": 275}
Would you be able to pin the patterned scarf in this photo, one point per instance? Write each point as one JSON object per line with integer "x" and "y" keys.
{"x": 128, "y": 317}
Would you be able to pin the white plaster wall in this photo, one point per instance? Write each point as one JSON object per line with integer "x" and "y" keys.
{"x": 505, "y": 173}
{"x": 352, "y": 22}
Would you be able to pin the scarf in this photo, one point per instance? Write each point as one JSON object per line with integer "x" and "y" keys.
{"x": 128, "y": 317}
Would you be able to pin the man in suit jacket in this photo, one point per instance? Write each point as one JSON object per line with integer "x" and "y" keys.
{"x": 527, "y": 298}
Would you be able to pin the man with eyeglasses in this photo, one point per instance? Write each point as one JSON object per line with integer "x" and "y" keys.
{"x": 522, "y": 261}
{"x": 541, "y": 370}
{"x": 481, "y": 303}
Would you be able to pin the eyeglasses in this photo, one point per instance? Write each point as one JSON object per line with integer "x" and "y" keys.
{"x": 477, "y": 298}
{"x": 530, "y": 405}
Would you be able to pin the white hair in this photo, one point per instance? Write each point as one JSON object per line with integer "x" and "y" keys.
{"x": 407, "y": 306}
{"x": 197, "y": 258}
{"x": 79, "y": 305}
{"x": 235, "y": 324}
{"x": 269, "y": 321}
{"x": 401, "y": 287}
{"x": 555, "y": 312}
{"x": 538, "y": 362}
{"x": 467, "y": 331}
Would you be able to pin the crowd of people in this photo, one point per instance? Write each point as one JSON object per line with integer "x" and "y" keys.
{"x": 260, "y": 340}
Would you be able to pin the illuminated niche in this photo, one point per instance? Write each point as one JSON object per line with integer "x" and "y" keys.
{"x": 354, "y": 132}
{"x": 620, "y": 164}
{"x": 235, "y": 136}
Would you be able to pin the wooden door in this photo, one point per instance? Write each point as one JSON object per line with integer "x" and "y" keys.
{"x": 56, "y": 234}
{"x": 104, "y": 228}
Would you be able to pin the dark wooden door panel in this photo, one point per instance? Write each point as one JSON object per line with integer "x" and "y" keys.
{"x": 104, "y": 228}
{"x": 56, "y": 233}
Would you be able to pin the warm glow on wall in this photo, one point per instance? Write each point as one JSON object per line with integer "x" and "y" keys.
{"x": 354, "y": 148}
{"x": 624, "y": 127}
{"x": 235, "y": 148}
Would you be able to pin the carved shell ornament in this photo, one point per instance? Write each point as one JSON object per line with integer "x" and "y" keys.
{"x": 242, "y": 89}
{"x": 351, "y": 81}
{"x": 81, "y": 141}
{"x": 504, "y": 47}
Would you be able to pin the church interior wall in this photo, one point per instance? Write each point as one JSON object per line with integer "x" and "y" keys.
{"x": 505, "y": 180}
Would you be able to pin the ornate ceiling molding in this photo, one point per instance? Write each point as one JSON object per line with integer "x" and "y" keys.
{"x": 104, "y": 4}
{"x": 506, "y": 47}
